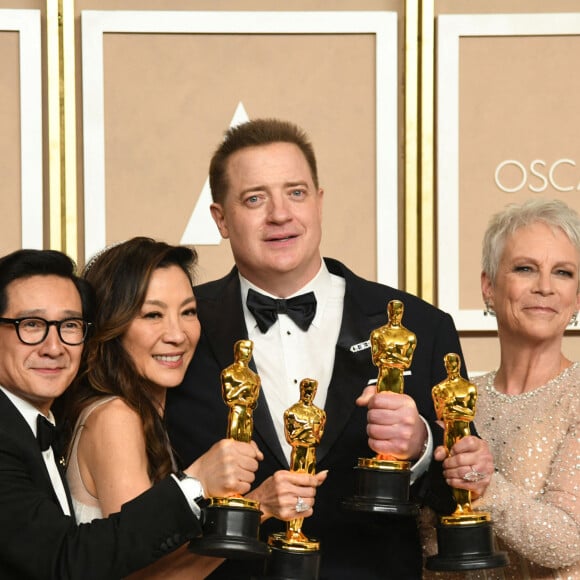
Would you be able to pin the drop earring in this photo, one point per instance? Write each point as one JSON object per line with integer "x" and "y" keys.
{"x": 488, "y": 310}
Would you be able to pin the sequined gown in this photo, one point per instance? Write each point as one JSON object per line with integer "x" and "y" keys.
{"x": 533, "y": 497}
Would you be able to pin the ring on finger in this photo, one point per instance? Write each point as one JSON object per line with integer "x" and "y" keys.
{"x": 473, "y": 475}
{"x": 301, "y": 506}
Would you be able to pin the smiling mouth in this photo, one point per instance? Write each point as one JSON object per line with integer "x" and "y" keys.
{"x": 282, "y": 238}
{"x": 168, "y": 358}
{"x": 541, "y": 310}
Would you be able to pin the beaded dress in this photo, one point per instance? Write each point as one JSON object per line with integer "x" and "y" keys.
{"x": 533, "y": 497}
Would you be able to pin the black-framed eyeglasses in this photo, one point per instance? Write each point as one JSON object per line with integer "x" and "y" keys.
{"x": 31, "y": 331}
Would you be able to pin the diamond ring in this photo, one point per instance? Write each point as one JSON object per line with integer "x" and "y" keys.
{"x": 474, "y": 475}
{"x": 301, "y": 506}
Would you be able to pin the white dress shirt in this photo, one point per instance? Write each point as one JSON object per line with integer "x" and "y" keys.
{"x": 30, "y": 413}
{"x": 285, "y": 354}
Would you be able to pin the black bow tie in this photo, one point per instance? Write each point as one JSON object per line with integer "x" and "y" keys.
{"x": 45, "y": 432}
{"x": 301, "y": 309}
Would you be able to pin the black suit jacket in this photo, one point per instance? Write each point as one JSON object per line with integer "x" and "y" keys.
{"x": 37, "y": 541}
{"x": 353, "y": 545}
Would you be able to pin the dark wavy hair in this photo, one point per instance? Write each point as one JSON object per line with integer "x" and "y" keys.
{"x": 120, "y": 276}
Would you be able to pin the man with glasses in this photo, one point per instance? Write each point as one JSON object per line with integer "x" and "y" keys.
{"x": 44, "y": 319}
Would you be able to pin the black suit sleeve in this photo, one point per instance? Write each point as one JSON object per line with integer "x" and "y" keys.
{"x": 38, "y": 542}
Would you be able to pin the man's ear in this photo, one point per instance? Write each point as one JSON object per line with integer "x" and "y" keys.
{"x": 320, "y": 200}
{"x": 217, "y": 213}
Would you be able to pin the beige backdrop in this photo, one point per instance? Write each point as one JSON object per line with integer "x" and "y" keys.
{"x": 518, "y": 101}
{"x": 10, "y": 206}
{"x": 168, "y": 99}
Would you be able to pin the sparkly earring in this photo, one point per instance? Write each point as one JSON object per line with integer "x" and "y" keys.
{"x": 488, "y": 311}
{"x": 574, "y": 319}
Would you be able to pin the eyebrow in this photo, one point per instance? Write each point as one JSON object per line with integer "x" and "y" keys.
{"x": 256, "y": 188}
{"x": 41, "y": 313}
{"x": 162, "y": 304}
{"x": 295, "y": 183}
{"x": 569, "y": 263}
{"x": 259, "y": 187}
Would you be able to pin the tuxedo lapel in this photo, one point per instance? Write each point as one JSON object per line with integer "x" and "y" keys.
{"x": 264, "y": 426}
{"x": 350, "y": 376}
{"x": 223, "y": 324}
{"x": 222, "y": 318}
{"x": 14, "y": 424}
{"x": 352, "y": 363}
{"x": 61, "y": 466}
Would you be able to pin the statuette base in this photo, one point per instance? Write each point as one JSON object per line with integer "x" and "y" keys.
{"x": 384, "y": 491}
{"x": 291, "y": 563}
{"x": 466, "y": 547}
{"x": 230, "y": 532}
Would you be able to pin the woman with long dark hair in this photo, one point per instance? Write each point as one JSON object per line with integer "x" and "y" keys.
{"x": 146, "y": 331}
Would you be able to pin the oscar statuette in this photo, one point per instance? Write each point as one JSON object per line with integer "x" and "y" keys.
{"x": 293, "y": 556}
{"x": 382, "y": 482}
{"x": 231, "y": 524}
{"x": 464, "y": 538}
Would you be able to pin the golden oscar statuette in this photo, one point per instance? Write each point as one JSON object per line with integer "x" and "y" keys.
{"x": 231, "y": 524}
{"x": 293, "y": 555}
{"x": 464, "y": 538}
{"x": 382, "y": 482}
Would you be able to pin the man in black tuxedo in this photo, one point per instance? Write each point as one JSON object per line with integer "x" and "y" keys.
{"x": 44, "y": 309}
{"x": 268, "y": 203}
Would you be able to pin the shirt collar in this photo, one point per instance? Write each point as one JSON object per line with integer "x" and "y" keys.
{"x": 28, "y": 411}
{"x": 321, "y": 285}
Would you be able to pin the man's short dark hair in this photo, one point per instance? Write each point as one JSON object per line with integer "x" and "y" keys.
{"x": 27, "y": 263}
{"x": 252, "y": 134}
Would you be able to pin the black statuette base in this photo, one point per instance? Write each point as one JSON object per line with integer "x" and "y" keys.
{"x": 379, "y": 491}
{"x": 230, "y": 532}
{"x": 466, "y": 547}
{"x": 292, "y": 565}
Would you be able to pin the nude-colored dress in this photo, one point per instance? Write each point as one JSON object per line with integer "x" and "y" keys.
{"x": 534, "y": 495}
{"x": 86, "y": 506}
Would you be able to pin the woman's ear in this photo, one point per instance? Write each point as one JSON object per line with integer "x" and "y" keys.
{"x": 486, "y": 290}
